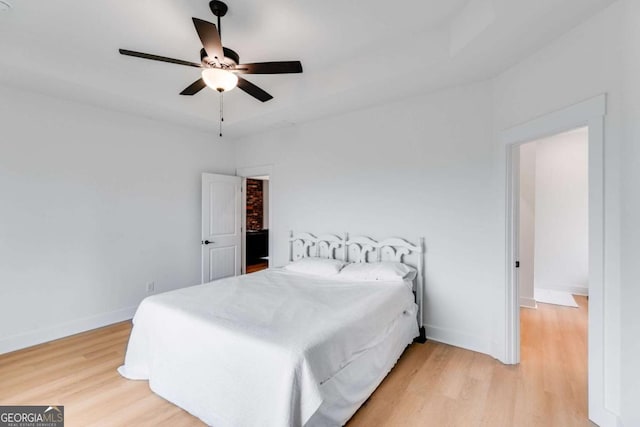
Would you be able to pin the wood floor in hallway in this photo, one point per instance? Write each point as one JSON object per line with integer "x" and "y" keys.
{"x": 432, "y": 385}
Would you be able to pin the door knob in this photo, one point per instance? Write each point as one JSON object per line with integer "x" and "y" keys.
{"x": 207, "y": 242}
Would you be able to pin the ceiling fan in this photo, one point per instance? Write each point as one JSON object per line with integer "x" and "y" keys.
{"x": 220, "y": 65}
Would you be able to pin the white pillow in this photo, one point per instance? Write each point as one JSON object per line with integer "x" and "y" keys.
{"x": 379, "y": 271}
{"x": 316, "y": 266}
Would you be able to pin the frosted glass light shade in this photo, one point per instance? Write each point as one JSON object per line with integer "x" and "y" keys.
{"x": 220, "y": 80}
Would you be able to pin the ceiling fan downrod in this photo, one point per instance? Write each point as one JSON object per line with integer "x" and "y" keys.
{"x": 219, "y": 9}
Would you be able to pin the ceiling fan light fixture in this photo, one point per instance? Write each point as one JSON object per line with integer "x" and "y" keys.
{"x": 220, "y": 80}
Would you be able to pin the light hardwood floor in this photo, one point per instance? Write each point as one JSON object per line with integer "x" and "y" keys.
{"x": 432, "y": 385}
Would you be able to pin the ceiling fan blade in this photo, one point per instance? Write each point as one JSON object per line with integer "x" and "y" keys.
{"x": 253, "y": 90}
{"x": 210, "y": 38}
{"x": 158, "y": 58}
{"x": 279, "y": 67}
{"x": 194, "y": 87}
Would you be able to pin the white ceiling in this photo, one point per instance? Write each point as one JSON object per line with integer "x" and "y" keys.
{"x": 354, "y": 53}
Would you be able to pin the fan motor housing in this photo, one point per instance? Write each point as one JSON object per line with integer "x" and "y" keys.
{"x": 231, "y": 57}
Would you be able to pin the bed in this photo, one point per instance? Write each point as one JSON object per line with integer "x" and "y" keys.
{"x": 278, "y": 347}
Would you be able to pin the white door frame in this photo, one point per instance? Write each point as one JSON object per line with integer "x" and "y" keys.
{"x": 245, "y": 173}
{"x": 590, "y": 113}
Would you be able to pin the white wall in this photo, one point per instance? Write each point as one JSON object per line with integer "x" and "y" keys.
{"x": 527, "y": 224}
{"x": 562, "y": 212}
{"x": 94, "y": 204}
{"x": 406, "y": 169}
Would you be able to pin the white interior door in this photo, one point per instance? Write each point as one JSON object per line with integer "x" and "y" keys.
{"x": 221, "y": 226}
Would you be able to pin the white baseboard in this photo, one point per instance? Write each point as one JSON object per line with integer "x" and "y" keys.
{"x": 574, "y": 290}
{"x": 528, "y": 302}
{"x": 39, "y": 336}
{"x": 457, "y": 339}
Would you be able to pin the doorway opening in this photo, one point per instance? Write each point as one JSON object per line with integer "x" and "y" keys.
{"x": 553, "y": 219}
{"x": 552, "y": 195}
{"x": 256, "y": 239}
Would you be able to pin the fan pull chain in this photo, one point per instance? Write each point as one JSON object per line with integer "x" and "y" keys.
{"x": 221, "y": 113}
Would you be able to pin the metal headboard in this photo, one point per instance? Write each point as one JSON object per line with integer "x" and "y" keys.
{"x": 363, "y": 249}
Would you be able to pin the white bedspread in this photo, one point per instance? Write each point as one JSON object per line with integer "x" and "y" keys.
{"x": 253, "y": 350}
